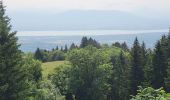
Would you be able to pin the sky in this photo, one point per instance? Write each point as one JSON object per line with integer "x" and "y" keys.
{"x": 150, "y": 9}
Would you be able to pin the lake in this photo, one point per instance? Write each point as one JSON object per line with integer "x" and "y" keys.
{"x": 30, "y": 40}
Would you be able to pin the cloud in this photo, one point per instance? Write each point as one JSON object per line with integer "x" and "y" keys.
{"x": 125, "y": 5}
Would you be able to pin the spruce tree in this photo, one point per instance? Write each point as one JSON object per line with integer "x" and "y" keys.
{"x": 167, "y": 79}
{"x": 168, "y": 47}
{"x": 72, "y": 46}
{"x": 84, "y": 42}
{"x": 65, "y": 49}
{"x": 159, "y": 66}
{"x": 147, "y": 65}
{"x": 120, "y": 78}
{"x": 13, "y": 77}
{"x": 57, "y": 48}
{"x": 38, "y": 55}
{"x": 144, "y": 54}
{"x": 124, "y": 46}
{"x": 137, "y": 74}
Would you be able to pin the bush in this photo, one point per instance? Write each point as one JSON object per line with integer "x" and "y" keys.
{"x": 151, "y": 94}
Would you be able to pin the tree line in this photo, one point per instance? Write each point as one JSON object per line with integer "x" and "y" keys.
{"x": 58, "y": 54}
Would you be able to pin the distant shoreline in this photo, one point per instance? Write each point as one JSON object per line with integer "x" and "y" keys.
{"x": 86, "y": 32}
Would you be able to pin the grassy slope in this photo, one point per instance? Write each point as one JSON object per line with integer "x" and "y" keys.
{"x": 49, "y": 67}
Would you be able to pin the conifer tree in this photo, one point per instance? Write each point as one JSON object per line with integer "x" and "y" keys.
{"x": 124, "y": 46}
{"x": 144, "y": 54}
{"x": 72, "y": 46}
{"x": 38, "y": 55}
{"x": 57, "y": 48}
{"x": 84, "y": 42}
{"x": 137, "y": 74}
{"x": 147, "y": 65}
{"x": 168, "y": 47}
{"x": 65, "y": 49}
{"x": 120, "y": 78}
{"x": 13, "y": 77}
{"x": 167, "y": 79}
{"x": 159, "y": 66}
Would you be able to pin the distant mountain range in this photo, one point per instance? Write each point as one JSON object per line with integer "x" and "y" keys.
{"x": 84, "y": 20}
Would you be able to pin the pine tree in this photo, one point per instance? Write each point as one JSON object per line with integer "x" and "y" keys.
{"x": 167, "y": 79}
{"x": 147, "y": 65}
{"x": 164, "y": 46}
{"x": 72, "y": 46}
{"x": 65, "y": 49}
{"x": 57, "y": 48}
{"x": 84, "y": 42}
{"x": 137, "y": 74}
{"x": 159, "y": 66}
{"x": 38, "y": 55}
{"x": 144, "y": 54}
{"x": 13, "y": 77}
{"x": 120, "y": 78}
{"x": 124, "y": 46}
{"x": 168, "y": 47}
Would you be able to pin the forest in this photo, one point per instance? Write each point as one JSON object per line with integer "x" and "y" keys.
{"x": 91, "y": 71}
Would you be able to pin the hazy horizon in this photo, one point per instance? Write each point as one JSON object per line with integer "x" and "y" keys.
{"x": 49, "y": 15}
{"x": 87, "y": 32}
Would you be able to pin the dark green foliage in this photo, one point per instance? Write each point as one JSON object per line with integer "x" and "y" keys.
{"x": 73, "y": 46}
{"x": 168, "y": 45}
{"x": 45, "y": 90}
{"x": 124, "y": 46}
{"x": 57, "y": 56}
{"x": 161, "y": 63}
{"x": 167, "y": 79}
{"x": 93, "y": 42}
{"x": 144, "y": 54}
{"x": 53, "y": 55}
{"x": 85, "y": 42}
{"x": 89, "y": 74}
{"x": 65, "y": 49}
{"x": 61, "y": 80}
{"x": 120, "y": 78}
{"x": 34, "y": 68}
{"x": 148, "y": 68}
{"x": 117, "y": 44}
{"x": 56, "y": 48}
{"x": 121, "y": 45}
{"x": 13, "y": 77}
{"x": 137, "y": 73}
{"x": 39, "y": 55}
{"x": 147, "y": 65}
{"x": 159, "y": 66}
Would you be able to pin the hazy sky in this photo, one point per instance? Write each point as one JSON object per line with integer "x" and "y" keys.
{"x": 125, "y": 5}
{"x": 145, "y": 8}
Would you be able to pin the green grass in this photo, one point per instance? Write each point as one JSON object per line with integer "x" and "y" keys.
{"x": 49, "y": 67}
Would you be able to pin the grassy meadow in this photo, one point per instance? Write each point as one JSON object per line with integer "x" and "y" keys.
{"x": 49, "y": 67}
